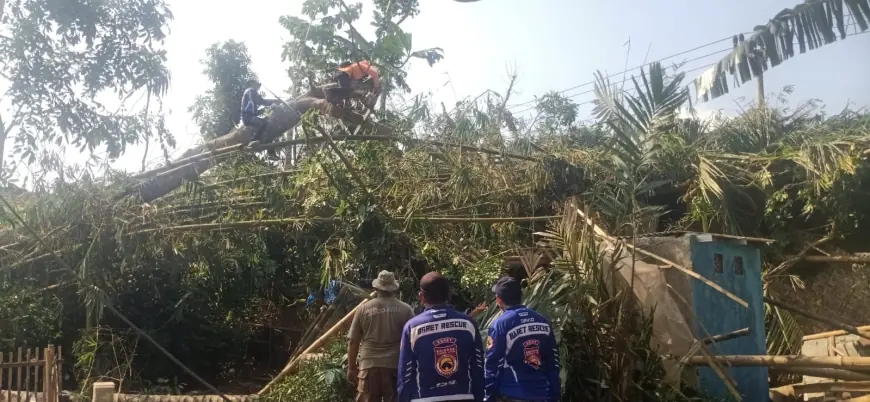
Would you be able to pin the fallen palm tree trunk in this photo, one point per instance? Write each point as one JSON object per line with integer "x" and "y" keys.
{"x": 197, "y": 160}
{"x": 293, "y": 364}
{"x": 853, "y": 363}
{"x": 281, "y": 120}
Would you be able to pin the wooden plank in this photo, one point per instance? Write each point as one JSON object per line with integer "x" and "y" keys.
{"x": 36, "y": 370}
{"x": 57, "y": 370}
{"x": 46, "y": 385}
{"x": 27, "y": 378}
{"x": 9, "y": 379}
{"x": 18, "y": 380}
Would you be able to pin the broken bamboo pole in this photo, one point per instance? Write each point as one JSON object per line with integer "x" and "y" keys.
{"x": 851, "y": 259}
{"x": 828, "y": 334}
{"x": 726, "y": 336}
{"x": 848, "y": 362}
{"x": 824, "y": 320}
{"x": 847, "y": 386}
{"x": 834, "y": 374}
{"x": 291, "y": 365}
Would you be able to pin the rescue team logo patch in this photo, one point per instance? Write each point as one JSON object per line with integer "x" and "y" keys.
{"x": 489, "y": 342}
{"x": 532, "y": 353}
{"x": 446, "y": 356}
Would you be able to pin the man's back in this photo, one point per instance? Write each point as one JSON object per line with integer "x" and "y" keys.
{"x": 379, "y": 324}
{"x": 441, "y": 357}
{"x": 522, "y": 357}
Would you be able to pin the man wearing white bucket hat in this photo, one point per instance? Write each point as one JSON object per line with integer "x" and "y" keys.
{"x": 375, "y": 335}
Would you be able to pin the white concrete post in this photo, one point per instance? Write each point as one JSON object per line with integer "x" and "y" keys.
{"x": 104, "y": 392}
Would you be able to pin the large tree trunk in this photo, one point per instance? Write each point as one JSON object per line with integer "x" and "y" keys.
{"x": 156, "y": 184}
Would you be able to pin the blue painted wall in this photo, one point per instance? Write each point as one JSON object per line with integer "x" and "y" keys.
{"x": 737, "y": 268}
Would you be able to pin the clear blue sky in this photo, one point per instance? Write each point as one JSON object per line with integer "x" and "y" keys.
{"x": 553, "y": 44}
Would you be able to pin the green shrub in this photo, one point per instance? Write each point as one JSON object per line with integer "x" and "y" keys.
{"x": 319, "y": 380}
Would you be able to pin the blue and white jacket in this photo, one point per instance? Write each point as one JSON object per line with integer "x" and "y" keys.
{"x": 441, "y": 358}
{"x": 251, "y": 101}
{"x": 522, "y": 357}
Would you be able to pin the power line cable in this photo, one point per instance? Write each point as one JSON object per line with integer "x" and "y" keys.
{"x": 631, "y": 89}
{"x": 634, "y": 68}
{"x": 592, "y": 82}
{"x": 848, "y": 16}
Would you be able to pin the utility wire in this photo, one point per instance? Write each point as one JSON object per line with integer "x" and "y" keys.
{"x": 848, "y": 16}
{"x": 634, "y": 68}
{"x": 632, "y": 89}
{"x": 592, "y": 82}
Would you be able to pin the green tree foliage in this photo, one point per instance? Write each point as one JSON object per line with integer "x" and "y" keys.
{"x": 228, "y": 66}
{"x": 321, "y": 379}
{"x": 59, "y": 57}
{"x": 215, "y": 271}
{"x": 331, "y": 35}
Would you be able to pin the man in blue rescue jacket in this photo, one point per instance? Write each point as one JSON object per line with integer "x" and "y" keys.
{"x": 441, "y": 358}
{"x": 522, "y": 357}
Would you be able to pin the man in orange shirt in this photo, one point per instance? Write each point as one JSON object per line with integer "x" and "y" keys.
{"x": 349, "y": 75}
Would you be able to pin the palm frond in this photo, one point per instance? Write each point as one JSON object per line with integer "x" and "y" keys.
{"x": 811, "y": 23}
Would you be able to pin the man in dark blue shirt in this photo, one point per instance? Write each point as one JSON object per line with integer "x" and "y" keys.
{"x": 522, "y": 357}
{"x": 441, "y": 357}
{"x": 251, "y": 102}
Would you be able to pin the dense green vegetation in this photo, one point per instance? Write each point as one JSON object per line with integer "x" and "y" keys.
{"x": 217, "y": 271}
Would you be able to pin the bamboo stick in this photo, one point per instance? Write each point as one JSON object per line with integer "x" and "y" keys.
{"x": 836, "y": 374}
{"x": 177, "y": 165}
{"x": 851, "y": 259}
{"x": 1, "y": 373}
{"x": 834, "y": 323}
{"x": 285, "y": 221}
{"x": 291, "y": 366}
{"x": 839, "y": 332}
{"x": 727, "y": 336}
{"x": 865, "y": 398}
{"x": 862, "y": 363}
{"x": 848, "y": 386}
{"x": 601, "y": 233}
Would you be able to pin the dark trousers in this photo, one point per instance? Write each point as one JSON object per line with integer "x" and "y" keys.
{"x": 257, "y": 123}
{"x": 344, "y": 89}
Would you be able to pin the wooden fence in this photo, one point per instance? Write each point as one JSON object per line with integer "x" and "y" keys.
{"x": 30, "y": 375}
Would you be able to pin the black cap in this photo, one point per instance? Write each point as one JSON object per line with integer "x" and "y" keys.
{"x": 252, "y": 82}
{"x": 508, "y": 288}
